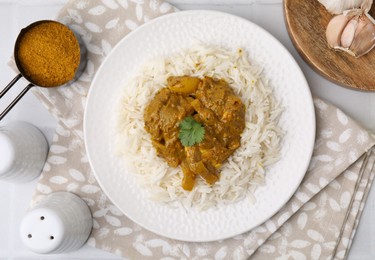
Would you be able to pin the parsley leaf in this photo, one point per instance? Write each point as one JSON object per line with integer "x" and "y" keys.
{"x": 191, "y": 132}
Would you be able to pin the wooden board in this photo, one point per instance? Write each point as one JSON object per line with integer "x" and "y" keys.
{"x": 306, "y": 22}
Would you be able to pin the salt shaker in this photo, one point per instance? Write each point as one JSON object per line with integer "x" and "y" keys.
{"x": 60, "y": 223}
{"x": 23, "y": 152}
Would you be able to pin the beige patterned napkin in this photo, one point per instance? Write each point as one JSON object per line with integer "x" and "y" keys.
{"x": 318, "y": 222}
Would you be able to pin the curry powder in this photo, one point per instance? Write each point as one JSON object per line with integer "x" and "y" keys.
{"x": 48, "y": 54}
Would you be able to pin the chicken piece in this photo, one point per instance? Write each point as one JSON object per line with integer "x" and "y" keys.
{"x": 183, "y": 84}
{"x": 188, "y": 181}
{"x": 198, "y": 166}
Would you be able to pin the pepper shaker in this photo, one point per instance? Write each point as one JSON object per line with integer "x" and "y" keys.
{"x": 60, "y": 223}
{"x": 23, "y": 152}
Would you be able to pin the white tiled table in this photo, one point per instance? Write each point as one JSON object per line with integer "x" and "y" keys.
{"x": 14, "y": 199}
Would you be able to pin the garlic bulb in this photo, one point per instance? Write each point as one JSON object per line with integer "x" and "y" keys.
{"x": 353, "y": 31}
{"x": 339, "y": 6}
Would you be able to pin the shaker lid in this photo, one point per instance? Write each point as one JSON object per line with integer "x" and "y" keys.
{"x": 42, "y": 230}
{"x": 7, "y": 154}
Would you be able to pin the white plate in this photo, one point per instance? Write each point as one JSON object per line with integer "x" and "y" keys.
{"x": 164, "y": 36}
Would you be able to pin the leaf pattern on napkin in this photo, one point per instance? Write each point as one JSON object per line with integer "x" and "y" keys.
{"x": 307, "y": 227}
{"x": 315, "y": 228}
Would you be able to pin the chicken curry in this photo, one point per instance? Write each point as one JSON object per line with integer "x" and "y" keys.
{"x": 212, "y": 104}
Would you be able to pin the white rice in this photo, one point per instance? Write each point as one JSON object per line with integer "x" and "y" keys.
{"x": 260, "y": 140}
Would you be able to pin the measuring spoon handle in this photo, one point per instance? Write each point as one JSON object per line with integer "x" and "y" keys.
{"x": 20, "y": 95}
{"x": 5, "y": 90}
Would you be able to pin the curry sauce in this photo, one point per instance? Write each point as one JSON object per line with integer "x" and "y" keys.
{"x": 210, "y": 102}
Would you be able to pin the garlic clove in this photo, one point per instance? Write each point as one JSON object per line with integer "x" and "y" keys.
{"x": 334, "y": 30}
{"x": 364, "y": 40}
{"x": 362, "y": 22}
{"x": 348, "y": 33}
